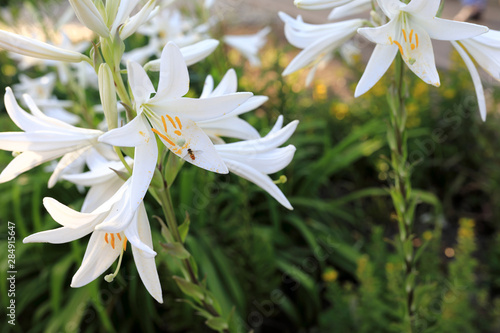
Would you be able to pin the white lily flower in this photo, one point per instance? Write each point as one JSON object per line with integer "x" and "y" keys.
{"x": 351, "y": 8}
{"x": 409, "y": 31}
{"x": 316, "y": 40}
{"x": 229, "y": 125}
{"x": 104, "y": 247}
{"x": 89, "y": 16}
{"x": 319, "y": 4}
{"x": 33, "y": 48}
{"x": 173, "y": 118}
{"x": 44, "y": 139}
{"x": 255, "y": 159}
{"x": 485, "y": 49}
{"x": 249, "y": 45}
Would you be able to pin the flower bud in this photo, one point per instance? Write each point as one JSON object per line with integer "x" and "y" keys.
{"x": 89, "y": 15}
{"x": 34, "y": 48}
{"x": 107, "y": 93}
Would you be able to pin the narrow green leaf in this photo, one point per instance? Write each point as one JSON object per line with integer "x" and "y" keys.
{"x": 217, "y": 323}
{"x": 176, "y": 249}
{"x": 184, "y": 227}
{"x": 190, "y": 289}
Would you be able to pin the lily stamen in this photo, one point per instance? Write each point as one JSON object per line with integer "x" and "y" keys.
{"x": 111, "y": 277}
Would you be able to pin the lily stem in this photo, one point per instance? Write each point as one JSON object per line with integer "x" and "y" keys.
{"x": 401, "y": 191}
{"x": 168, "y": 210}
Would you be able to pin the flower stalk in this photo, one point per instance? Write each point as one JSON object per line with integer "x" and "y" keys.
{"x": 401, "y": 192}
{"x": 172, "y": 225}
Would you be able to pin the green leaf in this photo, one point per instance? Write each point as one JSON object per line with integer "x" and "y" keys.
{"x": 217, "y": 323}
{"x": 184, "y": 227}
{"x": 176, "y": 249}
{"x": 190, "y": 289}
{"x": 57, "y": 282}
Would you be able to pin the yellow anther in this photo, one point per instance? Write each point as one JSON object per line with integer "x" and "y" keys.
{"x": 400, "y": 47}
{"x": 178, "y": 122}
{"x": 171, "y": 121}
{"x": 164, "y": 124}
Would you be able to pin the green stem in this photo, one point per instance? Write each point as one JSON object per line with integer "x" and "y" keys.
{"x": 122, "y": 159}
{"x": 121, "y": 90}
{"x": 402, "y": 192}
{"x": 168, "y": 210}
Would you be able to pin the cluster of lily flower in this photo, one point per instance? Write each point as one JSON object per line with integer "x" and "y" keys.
{"x": 113, "y": 211}
{"x": 395, "y": 26}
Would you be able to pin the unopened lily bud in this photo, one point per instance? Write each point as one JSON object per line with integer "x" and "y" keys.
{"x": 36, "y": 49}
{"x": 318, "y": 4}
{"x": 89, "y": 15}
{"x": 107, "y": 93}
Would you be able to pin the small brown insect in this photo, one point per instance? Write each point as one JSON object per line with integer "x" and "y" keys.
{"x": 191, "y": 154}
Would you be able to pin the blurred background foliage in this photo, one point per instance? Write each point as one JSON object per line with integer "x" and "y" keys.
{"x": 328, "y": 265}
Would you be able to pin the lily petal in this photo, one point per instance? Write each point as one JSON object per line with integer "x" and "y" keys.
{"x": 201, "y": 109}
{"x": 145, "y": 265}
{"x": 174, "y": 76}
{"x": 422, "y": 7}
{"x": 139, "y": 82}
{"x": 68, "y": 217}
{"x": 476, "y": 79}
{"x": 67, "y": 160}
{"x": 98, "y": 258}
{"x": 442, "y": 29}
{"x": 351, "y": 8}
{"x": 136, "y": 132}
{"x": 231, "y": 127}
{"x": 188, "y": 141}
{"x": 266, "y": 162}
{"x": 131, "y": 25}
{"x": 123, "y": 211}
{"x": 89, "y": 15}
{"x": 191, "y": 54}
{"x": 272, "y": 140}
{"x": 260, "y": 179}
{"x": 379, "y": 63}
{"x": 59, "y": 235}
{"x": 135, "y": 239}
{"x": 98, "y": 194}
{"x": 28, "y": 160}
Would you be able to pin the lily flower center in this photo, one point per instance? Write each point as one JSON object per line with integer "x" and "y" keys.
{"x": 407, "y": 40}
{"x": 410, "y": 42}
{"x": 173, "y": 137}
{"x": 110, "y": 239}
